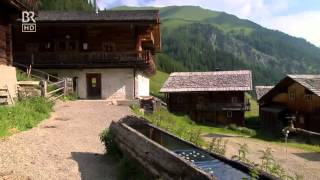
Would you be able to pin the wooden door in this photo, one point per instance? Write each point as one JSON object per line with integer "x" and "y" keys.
{"x": 94, "y": 86}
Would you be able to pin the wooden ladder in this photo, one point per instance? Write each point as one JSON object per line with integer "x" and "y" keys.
{"x": 5, "y": 97}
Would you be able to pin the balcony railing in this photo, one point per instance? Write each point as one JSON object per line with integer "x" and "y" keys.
{"x": 224, "y": 107}
{"x": 83, "y": 59}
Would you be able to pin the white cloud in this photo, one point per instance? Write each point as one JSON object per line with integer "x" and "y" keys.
{"x": 305, "y": 24}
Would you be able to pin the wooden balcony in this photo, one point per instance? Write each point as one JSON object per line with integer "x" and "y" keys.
{"x": 224, "y": 107}
{"x": 84, "y": 59}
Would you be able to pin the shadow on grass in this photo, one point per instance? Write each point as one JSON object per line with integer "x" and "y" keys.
{"x": 95, "y": 166}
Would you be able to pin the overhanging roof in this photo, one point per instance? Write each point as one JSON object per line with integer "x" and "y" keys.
{"x": 114, "y": 15}
{"x": 208, "y": 81}
{"x": 310, "y": 82}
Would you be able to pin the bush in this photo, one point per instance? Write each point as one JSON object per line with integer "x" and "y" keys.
{"x": 71, "y": 97}
{"x": 218, "y": 145}
{"x": 107, "y": 138}
{"x": 129, "y": 169}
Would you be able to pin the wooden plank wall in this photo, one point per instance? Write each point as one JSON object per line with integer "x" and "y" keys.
{"x": 3, "y": 39}
{"x": 124, "y": 37}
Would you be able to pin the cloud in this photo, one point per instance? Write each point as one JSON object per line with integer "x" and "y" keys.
{"x": 305, "y": 24}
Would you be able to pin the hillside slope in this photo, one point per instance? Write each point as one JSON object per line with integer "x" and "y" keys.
{"x": 204, "y": 40}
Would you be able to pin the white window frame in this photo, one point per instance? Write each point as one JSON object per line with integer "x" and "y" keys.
{"x": 229, "y": 114}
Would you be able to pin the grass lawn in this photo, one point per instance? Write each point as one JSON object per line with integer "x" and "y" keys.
{"x": 156, "y": 83}
{"x": 23, "y": 115}
{"x": 183, "y": 121}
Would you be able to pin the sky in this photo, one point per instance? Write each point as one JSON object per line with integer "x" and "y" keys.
{"x": 300, "y": 18}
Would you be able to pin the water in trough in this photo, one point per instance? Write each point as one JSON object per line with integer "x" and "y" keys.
{"x": 200, "y": 158}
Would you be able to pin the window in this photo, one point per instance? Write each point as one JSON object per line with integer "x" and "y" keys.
{"x": 66, "y": 45}
{"x": 229, "y": 114}
{"x": 307, "y": 97}
{"x": 234, "y": 99}
{"x": 292, "y": 95}
{"x": 94, "y": 82}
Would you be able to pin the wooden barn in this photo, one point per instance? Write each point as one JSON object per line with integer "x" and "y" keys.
{"x": 295, "y": 95}
{"x": 109, "y": 54}
{"x": 10, "y": 10}
{"x": 216, "y": 97}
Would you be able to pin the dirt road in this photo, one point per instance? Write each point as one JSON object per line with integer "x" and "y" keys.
{"x": 66, "y": 146}
{"x": 294, "y": 161}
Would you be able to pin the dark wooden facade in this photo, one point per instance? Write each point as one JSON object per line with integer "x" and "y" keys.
{"x": 83, "y": 43}
{"x": 215, "y": 107}
{"x": 293, "y": 96}
{"x": 9, "y": 11}
{"x": 214, "y": 97}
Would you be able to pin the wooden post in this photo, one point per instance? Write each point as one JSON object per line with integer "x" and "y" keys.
{"x": 65, "y": 90}
{"x": 44, "y": 88}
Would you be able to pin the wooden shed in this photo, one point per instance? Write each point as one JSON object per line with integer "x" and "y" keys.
{"x": 295, "y": 95}
{"x": 217, "y": 97}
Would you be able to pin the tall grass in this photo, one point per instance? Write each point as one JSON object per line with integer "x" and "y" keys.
{"x": 24, "y": 115}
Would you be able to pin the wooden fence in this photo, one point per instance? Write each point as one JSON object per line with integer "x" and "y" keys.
{"x": 56, "y": 90}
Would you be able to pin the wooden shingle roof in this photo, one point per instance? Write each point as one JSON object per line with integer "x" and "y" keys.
{"x": 310, "y": 82}
{"x": 114, "y": 15}
{"x": 262, "y": 90}
{"x": 208, "y": 81}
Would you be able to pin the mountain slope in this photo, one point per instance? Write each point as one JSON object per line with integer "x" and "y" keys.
{"x": 204, "y": 40}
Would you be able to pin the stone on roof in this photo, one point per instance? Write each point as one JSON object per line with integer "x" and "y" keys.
{"x": 208, "y": 81}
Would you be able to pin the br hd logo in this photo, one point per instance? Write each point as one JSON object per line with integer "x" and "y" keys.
{"x": 28, "y": 21}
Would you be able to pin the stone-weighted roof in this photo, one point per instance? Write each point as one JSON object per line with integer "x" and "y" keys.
{"x": 208, "y": 81}
{"x": 112, "y": 15}
{"x": 262, "y": 90}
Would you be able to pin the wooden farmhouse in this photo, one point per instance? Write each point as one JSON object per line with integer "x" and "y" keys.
{"x": 295, "y": 95}
{"x": 10, "y": 10}
{"x": 110, "y": 54}
{"x": 216, "y": 97}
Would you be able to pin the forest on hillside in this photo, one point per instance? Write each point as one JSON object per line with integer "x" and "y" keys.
{"x": 80, "y": 5}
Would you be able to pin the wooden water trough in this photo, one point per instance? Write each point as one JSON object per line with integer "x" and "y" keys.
{"x": 166, "y": 156}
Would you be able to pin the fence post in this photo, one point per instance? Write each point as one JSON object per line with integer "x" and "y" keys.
{"x": 65, "y": 89}
{"x": 44, "y": 88}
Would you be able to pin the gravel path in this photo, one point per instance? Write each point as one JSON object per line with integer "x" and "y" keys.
{"x": 66, "y": 146}
{"x": 294, "y": 161}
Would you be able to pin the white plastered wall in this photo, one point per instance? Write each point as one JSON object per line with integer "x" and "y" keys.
{"x": 116, "y": 83}
{"x": 8, "y": 78}
{"x": 142, "y": 85}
